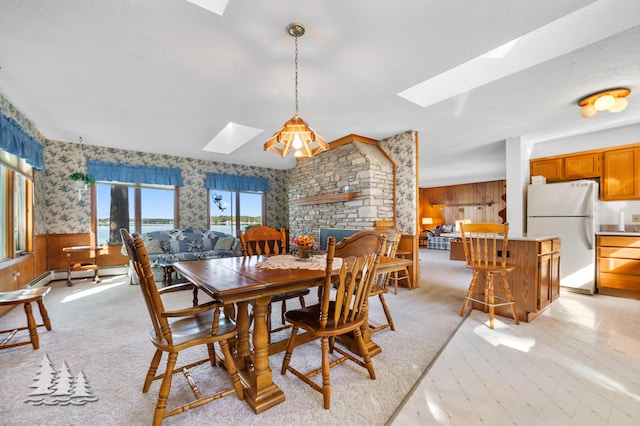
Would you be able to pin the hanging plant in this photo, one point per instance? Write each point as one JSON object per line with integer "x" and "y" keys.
{"x": 85, "y": 178}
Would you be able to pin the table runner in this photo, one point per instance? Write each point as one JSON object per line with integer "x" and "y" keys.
{"x": 287, "y": 261}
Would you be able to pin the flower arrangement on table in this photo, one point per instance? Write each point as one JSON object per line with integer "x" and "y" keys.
{"x": 305, "y": 244}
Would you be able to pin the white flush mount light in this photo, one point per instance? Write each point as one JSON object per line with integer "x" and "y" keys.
{"x": 612, "y": 100}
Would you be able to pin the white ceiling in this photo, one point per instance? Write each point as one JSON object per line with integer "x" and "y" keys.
{"x": 166, "y": 76}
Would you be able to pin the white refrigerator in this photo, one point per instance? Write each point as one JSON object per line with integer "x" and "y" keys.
{"x": 569, "y": 210}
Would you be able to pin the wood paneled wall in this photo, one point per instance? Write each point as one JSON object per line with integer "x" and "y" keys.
{"x": 480, "y": 202}
{"x": 57, "y": 259}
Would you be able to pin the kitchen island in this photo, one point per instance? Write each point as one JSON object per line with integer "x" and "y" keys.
{"x": 535, "y": 283}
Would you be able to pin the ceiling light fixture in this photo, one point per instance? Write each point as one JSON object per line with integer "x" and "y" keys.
{"x": 296, "y": 133}
{"x": 612, "y": 100}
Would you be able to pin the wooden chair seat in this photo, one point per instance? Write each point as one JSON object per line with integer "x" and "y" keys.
{"x": 25, "y": 297}
{"x": 339, "y": 312}
{"x": 486, "y": 256}
{"x": 176, "y": 330}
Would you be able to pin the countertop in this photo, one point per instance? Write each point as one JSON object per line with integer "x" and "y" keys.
{"x": 514, "y": 237}
{"x": 619, "y": 233}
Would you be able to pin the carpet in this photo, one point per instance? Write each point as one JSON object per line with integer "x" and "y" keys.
{"x": 100, "y": 339}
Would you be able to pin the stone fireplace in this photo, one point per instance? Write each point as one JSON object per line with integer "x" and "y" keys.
{"x": 317, "y": 197}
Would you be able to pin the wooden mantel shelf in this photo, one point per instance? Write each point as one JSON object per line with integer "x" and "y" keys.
{"x": 323, "y": 199}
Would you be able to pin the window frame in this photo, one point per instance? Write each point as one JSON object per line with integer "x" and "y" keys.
{"x": 12, "y": 166}
{"x": 137, "y": 204}
{"x": 236, "y": 195}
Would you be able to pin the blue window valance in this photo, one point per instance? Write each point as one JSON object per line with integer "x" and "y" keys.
{"x": 14, "y": 140}
{"x": 236, "y": 183}
{"x": 132, "y": 173}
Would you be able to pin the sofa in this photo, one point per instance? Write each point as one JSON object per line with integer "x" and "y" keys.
{"x": 168, "y": 246}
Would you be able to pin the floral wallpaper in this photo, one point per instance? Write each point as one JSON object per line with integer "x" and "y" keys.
{"x": 10, "y": 111}
{"x": 68, "y": 214}
{"x": 58, "y": 210}
{"x": 403, "y": 149}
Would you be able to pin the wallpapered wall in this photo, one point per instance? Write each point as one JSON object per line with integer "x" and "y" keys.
{"x": 58, "y": 210}
{"x": 403, "y": 149}
{"x": 67, "y": 214}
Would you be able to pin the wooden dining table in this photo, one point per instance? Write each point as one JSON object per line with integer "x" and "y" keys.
{"x": 237, "y": 281}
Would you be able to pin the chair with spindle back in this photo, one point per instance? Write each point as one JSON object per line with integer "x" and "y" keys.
{"x": 380, "y": 285}
{"x": 339, "y": 312}
{"x": 485, "y": 255}
{"x": 267, "y": 241}
{"x": 176, "y": 330}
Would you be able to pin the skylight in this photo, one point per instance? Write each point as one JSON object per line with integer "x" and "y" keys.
{"x": 232, "y": 137}
{"x": 215, "y": 6}
{"x": 548, "y": 42}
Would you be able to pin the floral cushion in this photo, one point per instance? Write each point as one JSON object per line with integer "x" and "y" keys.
{"x": 188, "y": 244}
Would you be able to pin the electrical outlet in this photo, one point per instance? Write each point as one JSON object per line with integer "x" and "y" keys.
{"x": 635, "y": 218}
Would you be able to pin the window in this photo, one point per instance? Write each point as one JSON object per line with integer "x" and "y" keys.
{"x": 16, "y": 207}
{"x": 231, "y": 211}
{"x": 138, "y": 208}
{"x": 236, "y": 202}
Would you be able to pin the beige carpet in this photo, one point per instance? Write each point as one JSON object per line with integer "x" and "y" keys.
{"x": 101, "y": 332}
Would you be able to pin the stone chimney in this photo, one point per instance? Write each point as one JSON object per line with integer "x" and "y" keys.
{"x": 317, "y": 197}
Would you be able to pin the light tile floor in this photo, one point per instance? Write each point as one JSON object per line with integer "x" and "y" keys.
{"x": 576, "y": 364}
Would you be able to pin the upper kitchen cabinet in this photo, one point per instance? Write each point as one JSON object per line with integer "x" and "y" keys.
{"x": 567, "y": 167}
{"x": 620, "y": 174}
{"x": 582, "y": 166}
{"x": 617, "y": 167}
{"x": 550, "y": 168}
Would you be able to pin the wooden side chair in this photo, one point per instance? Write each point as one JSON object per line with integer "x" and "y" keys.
{"x": 485, "y": 256}
{"x": 267, "y": 241}
{"x": 339, "y": 312}
{"x": 25, "y": 297}
{"x": 175, "y": 331}
{"x": 388, "y": 228}
{"x": 380, "y": 286}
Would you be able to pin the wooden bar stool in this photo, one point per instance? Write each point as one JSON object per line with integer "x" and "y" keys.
{"x": 26, "y": 296}
{"x": 485, "y": 256}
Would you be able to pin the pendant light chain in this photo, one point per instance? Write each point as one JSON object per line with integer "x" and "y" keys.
{"x": 296, "y": 62}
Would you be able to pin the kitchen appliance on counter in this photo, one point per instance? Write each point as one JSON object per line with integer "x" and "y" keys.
{"x": 569, "y": 210}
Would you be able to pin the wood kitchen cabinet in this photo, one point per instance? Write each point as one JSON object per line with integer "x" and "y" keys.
{"x": 548, "y": 279}
{"x": 618, "y": 265}
{"x": 550, "y": 168}
{"x": 535, "y": 283}
{"x": 582, "y": 166}
{"x": 620, "y": 174}
{"x": 567, "y": 167}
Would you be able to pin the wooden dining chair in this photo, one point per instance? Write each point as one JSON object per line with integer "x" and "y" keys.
{"x": 380, "y": 285}
{"x": 339, "y": 312}
{"x": 176, "y": 330}
{"x": 267, "y": 241}
{"x": 484, "y": 255}
{"x": 368, "y": 242}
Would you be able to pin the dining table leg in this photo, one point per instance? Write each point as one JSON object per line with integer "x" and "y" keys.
{"x": 261, "y": 393}
{"x": 243, "y": 344}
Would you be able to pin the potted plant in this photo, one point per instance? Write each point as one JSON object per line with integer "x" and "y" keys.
{"x": 82, "y": 179}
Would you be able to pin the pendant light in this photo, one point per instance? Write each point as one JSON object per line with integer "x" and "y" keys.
{"x": 295, "y": 135}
